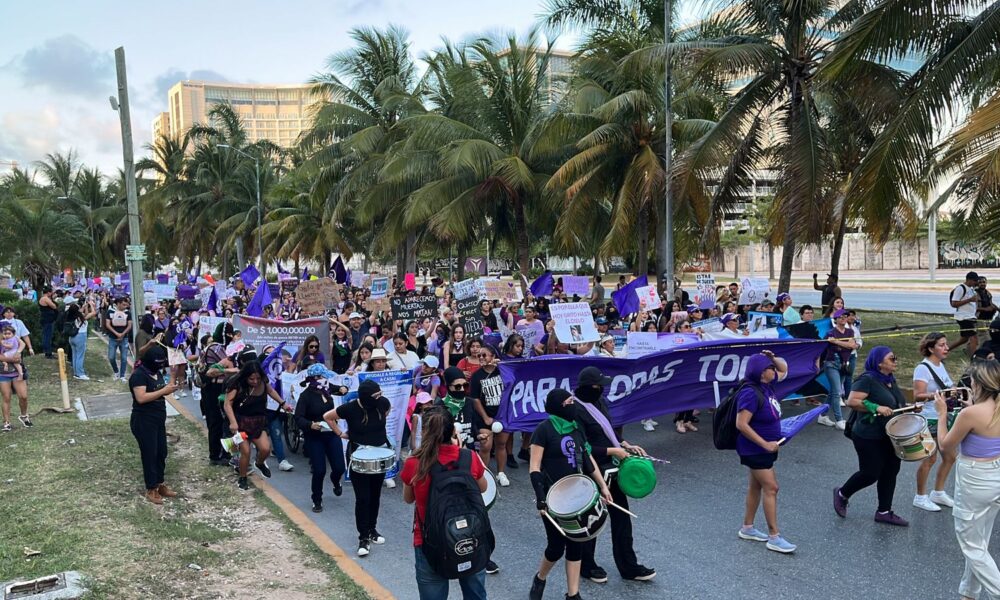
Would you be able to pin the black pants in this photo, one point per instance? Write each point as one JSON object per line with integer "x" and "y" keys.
{"x": 323, "y": 448}
{"x": 367, "y": 497}
{"x": 877, "y": 462}
{"x": 621, "y": 537}
{"x": 151, "y": 433}
{"x": 215, "y": 421}
{"x": 556, "y": 544}
{"x": 686, "y": 416}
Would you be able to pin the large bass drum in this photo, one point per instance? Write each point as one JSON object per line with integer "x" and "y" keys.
{"x": 575, "y": 503}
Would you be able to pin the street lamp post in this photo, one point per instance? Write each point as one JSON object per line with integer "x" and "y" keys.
{"x": 260, "y": 209}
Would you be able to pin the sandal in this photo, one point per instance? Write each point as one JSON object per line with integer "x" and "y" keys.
{"x": 679, "y": 425}
{"x": 7, "y": 427}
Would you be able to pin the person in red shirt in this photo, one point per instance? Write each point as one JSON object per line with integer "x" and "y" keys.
{"x": 438, "y": 443}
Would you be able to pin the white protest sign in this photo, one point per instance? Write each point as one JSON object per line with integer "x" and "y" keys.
{"x": 574, "y": 322}
{"x": 147, "y": 285}
{"x": 204, "y": 294}
{"x": 207, "y": 324}
{"x": 465, "y": 289}
{"x": 641, "y": 343}
{"x": 164, "y": 291}
{"x": 359, "y": 279}
{"x": 713, "y": 325}
{"x": 149, "y": 298}
{"x": 704, "y": 295}
{"x": 648, "y": 298}
{"x": 576, "y": 284}
{"x": 759, "y": 321}
{"x": 502, "y": 325}
{"x": 753, "y": 290}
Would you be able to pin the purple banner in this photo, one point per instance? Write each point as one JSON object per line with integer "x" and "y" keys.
{"x": 665, "y": 382}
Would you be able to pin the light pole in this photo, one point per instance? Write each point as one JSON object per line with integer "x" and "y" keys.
{"x": 260, "y": 210}
{"x": 667, "y": 251}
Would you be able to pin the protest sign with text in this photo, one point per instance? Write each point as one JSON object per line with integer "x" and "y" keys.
{"x": 317, "y": 296}
{"x": 492, "y": 289}
{"x": 470, "y": 317}
{"x": 642, "y": 343}
{"x": 753, "y": 290}
{"x": 408, "y": 308}
{"x": 268, "y": 332}
{"x": 574, "y": 322}
{"x": 576, "y": 285}
{"x": 704, "y": 294}
{"x": 648, "y": 298}
{"x": 465, "y": 289}
{"x": 380, "y": 287}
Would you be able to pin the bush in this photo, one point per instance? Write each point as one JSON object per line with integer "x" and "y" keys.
{"x": 27, "y": 311}
{"x": 8, "y": 296}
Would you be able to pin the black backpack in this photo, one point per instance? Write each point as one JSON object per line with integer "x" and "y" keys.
{"x": 724, "y": 420}
{"x": 457, "y": 536}
{"x": 965, "y": 291}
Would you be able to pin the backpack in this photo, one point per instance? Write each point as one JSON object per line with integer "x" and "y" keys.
{"x": 724, "y": 420}
{"x": 458, "y": 538}
{"x": 70, "y": 328}
{"x": 965, "y": 291}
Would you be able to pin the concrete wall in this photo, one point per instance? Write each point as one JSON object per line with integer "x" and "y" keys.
{"x": 858, "y": 255}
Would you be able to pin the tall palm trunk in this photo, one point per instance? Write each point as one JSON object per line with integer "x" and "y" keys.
{"x": 643, "y": 248}
{"x": 521, "y": 241}
{"x": 400, "y": 260}
{"x": 787, "y": 256}
{"x": 297, "y": 272}
{"x": 411, "y": 252}
{"x": 838, "y": 243}
{"x": 463, "y": 253}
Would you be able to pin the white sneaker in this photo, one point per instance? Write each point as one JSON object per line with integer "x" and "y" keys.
{"x": 647, "y": 425}
{"x": 285, "y": 466}
{"x": 652, "y": 422}
{"x": 390, "y": 483}
{"x": 924, "y": 503}
{"x": 825, "y": 420}
{"x": 84, "y": 377}
{"x": 842, "y": 424}
{"x": 502, "y": 479}
{"x": 942, "y": 498}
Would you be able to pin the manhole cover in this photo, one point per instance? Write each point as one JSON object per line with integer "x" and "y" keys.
{"x": 110, "y": 406}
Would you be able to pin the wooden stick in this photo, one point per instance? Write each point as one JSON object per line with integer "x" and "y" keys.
{"x": 782, "y": 441}
{"x": 624, "y": 510}
{"x": 554, "y": 524}
{"x": 905, "y": 408}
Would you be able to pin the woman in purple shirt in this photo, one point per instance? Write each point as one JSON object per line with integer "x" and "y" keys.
{"x": 836, "y": 361}
{"x": 759, "y": 424}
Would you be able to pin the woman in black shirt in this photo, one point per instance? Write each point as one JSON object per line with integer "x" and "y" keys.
{"x": 366, "y": 421}
{"x": 559, "y": 448}
{"x": 322, "y": 445}
{"x": 246, "y": 408}
{"x": 149, "y": 420}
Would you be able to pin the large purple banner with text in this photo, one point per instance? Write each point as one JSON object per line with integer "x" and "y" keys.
{"x": 665, "y": 382}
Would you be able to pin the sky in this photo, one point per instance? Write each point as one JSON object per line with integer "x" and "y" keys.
{"x": 57, "y": 65}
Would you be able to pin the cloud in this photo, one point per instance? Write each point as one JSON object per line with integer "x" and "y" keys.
{"x": 28, "y": 135}
{"x": 66, "y": 65}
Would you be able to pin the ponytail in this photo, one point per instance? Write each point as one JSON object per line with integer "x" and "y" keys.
{"x": 438, "y": 430}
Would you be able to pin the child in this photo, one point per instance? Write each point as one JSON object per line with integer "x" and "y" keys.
{"x": 10, "y": 346}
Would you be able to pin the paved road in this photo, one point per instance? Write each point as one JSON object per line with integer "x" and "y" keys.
{"x": 687, "y": 530}
{"x": 904, "y": 301}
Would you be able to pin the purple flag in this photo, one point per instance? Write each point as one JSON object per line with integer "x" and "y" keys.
{"x": 625, "y": 299}
{"x": 281, "y": 269}
{"x": 542, "y": 286}
{"x": 213, "y": 300}
{"x": 249, "y": 275}
{"x": 665, "y": 382}
{"x": 272, "y": 367}
{"x": 792, "y": 425}
{"x": 261, "y": 298}
{"x": 338, "y": 272}
{"x": 305, "y": 274}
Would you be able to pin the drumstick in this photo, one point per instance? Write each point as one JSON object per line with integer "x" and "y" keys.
{"x": 554, "y": 524}
{"x": 624, "y": 510}
{"x": 782, "y": 441}
{"x": 911, "y": 407}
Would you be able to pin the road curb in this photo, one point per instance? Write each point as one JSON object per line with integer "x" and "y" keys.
{"x": 322, "y": 541}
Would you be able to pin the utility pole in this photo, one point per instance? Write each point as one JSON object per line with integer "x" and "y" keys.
{"x": 666, "y": 252}
{"x": 135, "y": 259}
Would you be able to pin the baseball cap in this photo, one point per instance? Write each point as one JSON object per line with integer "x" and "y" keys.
{"x": 423, "y": 398}
{"x": 592, "y": 376}
{"x": 691, "y": 308}
{"x": 783, "y": 296}
{"x": 767, "y": 302}
{"x": 355, "y": 315}
{"x": 726, "y": 318}
{"x": 431, "y": 361}
{"x": 601, "y": 321}
{"x": 606, "y": 338}
{"x": 972, "y": 275}
{"x": 840, "y": 312}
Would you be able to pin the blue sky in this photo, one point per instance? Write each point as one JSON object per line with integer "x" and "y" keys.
{"x": 57, "y": 58}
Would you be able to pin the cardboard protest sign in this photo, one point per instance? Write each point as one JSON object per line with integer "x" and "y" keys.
{"x": 465, "y": 289}
{"x": 380, "y": 287}
{"x": 704, "y": 295}
{"x": 413, "y": 307}
{"x": 648, "y": 298}
{"x": 753, "y": 290}
{"x": 378, "y": 305}
{"x": 759, "y": 321}
{"x": 574, "y": 322}
{"x": 469, "y": 316}
{"x": 317, "y": 296}
{"x": 506, "y": 291}
{"x": 576, "y": 285}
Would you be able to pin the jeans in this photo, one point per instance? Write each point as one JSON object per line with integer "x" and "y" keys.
{"x": 324, "y": 448}
{"x": 274, "y": 422}
{"x": 835, "y": 380}
{"x": 79, "y": 345}
{"x": 47, "y": 329}
{"x": 150, "y": 432}
{"x": 116, "y": 345}
{"x": 877, "y": 463}
{"x": 432, "y": 586}
{"x": 977, "y": 502}
{"x": 621, "y": 538}
{"x": 849, "y": 378}
{"x": 367, "y": 498}
{"x": 215, "y": 421}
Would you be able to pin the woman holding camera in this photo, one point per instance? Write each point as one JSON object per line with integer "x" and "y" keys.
{"x": 976, "y": 434}
{"x": 930, "y": 377}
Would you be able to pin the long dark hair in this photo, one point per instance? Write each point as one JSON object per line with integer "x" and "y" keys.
{"x": 240, "y": 382}
{"x": 438, "y": 429}
{"x": 512, "y": 339}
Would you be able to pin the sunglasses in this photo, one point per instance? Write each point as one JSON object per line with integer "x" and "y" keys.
{"x": 482, "y": 356}
{"x": 891, "y": 358}
{"x": 457, "y": 386}
{"x": 312, "y": 346}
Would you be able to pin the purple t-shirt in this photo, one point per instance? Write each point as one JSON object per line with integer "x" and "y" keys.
{"x": 831, "y": 350}
{"x": 766, "y": 420}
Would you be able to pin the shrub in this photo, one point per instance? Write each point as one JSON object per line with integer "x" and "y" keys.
{"x": 28, "y": 312}
{"x": 8, "y": 296}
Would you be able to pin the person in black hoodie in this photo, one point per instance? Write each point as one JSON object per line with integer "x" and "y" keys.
{"x": 322, "y": 443}
{"x": 559, "y": 448}
{"x": 366, "y": 420}
{"x": 464, "y": 412}
{"x": 590, "y": 390}
{"x": 149, "y": 420}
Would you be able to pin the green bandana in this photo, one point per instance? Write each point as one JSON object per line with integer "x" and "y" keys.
{"x": 564, "y": 427}
{"x": 453, "y": 405}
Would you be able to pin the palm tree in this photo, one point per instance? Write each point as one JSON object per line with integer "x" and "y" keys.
{"x": 46, "y": 239}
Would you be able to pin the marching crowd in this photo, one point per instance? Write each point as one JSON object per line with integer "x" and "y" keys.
{"x": 451, "y": 417}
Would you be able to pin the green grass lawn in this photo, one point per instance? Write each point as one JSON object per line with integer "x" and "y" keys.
{"x": 904, "y": 342}
{"x": 71, "y": 490}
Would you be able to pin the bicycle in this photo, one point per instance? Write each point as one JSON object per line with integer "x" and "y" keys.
{"x": 292, "y": 434}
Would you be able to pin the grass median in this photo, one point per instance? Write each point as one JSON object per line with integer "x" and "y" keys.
{"x": 72, "y": 501}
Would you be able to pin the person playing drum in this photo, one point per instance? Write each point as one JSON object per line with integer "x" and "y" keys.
{"x": 590, "y": 391}
{"x": 874, "y": 396}
{"x": 559, "y": 448}
{"x": 366, "y": 421}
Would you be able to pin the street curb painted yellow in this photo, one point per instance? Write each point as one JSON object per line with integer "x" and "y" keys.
{"x": 322, "y": 541}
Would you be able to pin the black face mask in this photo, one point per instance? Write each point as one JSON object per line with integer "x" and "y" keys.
{"x": 557, "y": 408}
{"x": 588, "y": 393}
{"x": 457, "y": 394}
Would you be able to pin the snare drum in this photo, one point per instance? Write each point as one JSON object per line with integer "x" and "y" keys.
{"x": 910, "y": 437}
{"x": 490, "y": 495}
{"x": 370, "y": 460}
{"x": 575, "y": 503}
